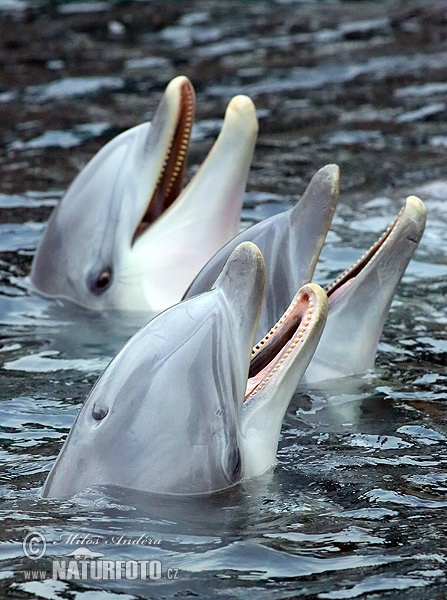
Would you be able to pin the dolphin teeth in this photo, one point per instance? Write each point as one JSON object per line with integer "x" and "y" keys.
{"x": 273, "y": 350}
{"x": 367, "y": 257}
{"x": 181, "y": 140}
{"x": 170, "y": 178}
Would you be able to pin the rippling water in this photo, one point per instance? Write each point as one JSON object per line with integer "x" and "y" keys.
{"x": 356, "y": 505}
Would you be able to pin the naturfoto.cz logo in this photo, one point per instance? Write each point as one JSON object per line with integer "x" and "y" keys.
{"x": 84, "y": 563}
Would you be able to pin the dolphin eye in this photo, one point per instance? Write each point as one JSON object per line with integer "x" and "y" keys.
{"x": 103, "y": 279}
{"x": 99, "y": 413}
{"x": 99, "y": 282}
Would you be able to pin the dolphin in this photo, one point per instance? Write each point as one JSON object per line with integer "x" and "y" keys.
{"x": 290, "y": 242}
{"x": 125, "y": 235}
{"x": 188, "y": 406}
{"x": 359, "y": 299}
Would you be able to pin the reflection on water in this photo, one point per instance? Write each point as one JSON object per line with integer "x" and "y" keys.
{"x": 355, "y": 507}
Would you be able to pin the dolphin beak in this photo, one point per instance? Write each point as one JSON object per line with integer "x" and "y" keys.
{"x": 277, "y": 365}
{"x": 311, "y": 219}
{"x": 242, "y": 282}
{"x": 287, "y": 338}
{"x": 222, "y": 177}
{"x": 390, "y": 254}
{"x": 360, "y": 298}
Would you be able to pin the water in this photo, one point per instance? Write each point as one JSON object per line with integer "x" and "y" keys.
{"x": 355, "y": 507}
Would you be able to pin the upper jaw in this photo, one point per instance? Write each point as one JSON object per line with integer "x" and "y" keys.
{"x": 311, "y": 219}
{"x": 165, "y": 153}
{"x": 390, "y": 253}
{"x": 292, "y": 242}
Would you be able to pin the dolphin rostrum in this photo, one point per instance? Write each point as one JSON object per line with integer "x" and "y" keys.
{"x": 125, "y": 236}
{"x": 359, "y": 300}
{"x": 188, "y": 406}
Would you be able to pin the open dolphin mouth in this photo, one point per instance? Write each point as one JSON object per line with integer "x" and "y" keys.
{"x": 281, "y": 344}
{"x": 360, "y": 299}
{"x": 171, "y": 176}
{"x": 367, "y": 260}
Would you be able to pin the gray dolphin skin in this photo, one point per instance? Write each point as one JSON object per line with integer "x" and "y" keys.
{"x": 290, "y": 242}
{"x": 125, "y": 235}
{"x": 188, "y": 406}
{"x": 360, "y": 299}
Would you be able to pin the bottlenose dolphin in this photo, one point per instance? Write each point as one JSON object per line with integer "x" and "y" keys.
{"x": 290, "y": 242}
{"x": 125, "y": 236}
{"x": 359, "y": 300}
{"x": 188, "y": 406}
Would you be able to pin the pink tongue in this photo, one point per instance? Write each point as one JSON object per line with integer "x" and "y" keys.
{"x": 339, "y": 291}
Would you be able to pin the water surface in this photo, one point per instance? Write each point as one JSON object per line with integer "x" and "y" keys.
{"x": 356, "y": 505}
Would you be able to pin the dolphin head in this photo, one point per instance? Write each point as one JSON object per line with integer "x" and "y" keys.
{"x": 177, "y": 411}
{"x": 126, "y": 235}
{"x": 290, "y": 242}
{"x": 360, "y": 299}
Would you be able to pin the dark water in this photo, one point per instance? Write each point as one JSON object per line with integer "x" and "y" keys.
{"x": 356, "y": 506}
